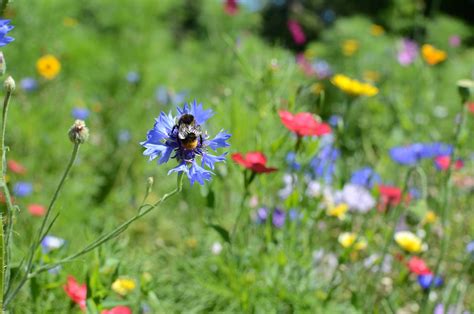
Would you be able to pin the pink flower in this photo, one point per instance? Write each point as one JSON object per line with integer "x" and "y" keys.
{"x": 76, "y": 292}
{"x": 443, "y": 163}
{"x": 296, "y": 32}
{"x": 418, "y": 266}
{"x": 231, "y": 7}
{"x": 36, "y": 210}
{"x": 455, "y": 41}
{"x": 118, "y": 310}
{"x": 16, "y": 167}
{"x": 304, "y": 64}
{"x": 408, "y": 52}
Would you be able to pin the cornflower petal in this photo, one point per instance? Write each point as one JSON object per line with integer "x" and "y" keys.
{"x": 209, "y": 160}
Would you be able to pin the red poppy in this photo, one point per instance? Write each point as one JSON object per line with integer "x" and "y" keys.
{"x": 76, "y": 291}
{"x": 230, "y": 7}
{"x": 470, "y": 107}
{"x": 443, "y": 162}
{"x": 390, "y": 196}
{"x": 254, "y": 161}
{"x": 303, "y": 124}
{"x": 418, "y": 266}
{"x": 118, "y": 310}
{"x": 16, "y": 167}
{"x": 36, "y": 210}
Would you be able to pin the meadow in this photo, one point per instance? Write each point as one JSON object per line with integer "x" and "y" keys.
{"x": 327, "y": 166}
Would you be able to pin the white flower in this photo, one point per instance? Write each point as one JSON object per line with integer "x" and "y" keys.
{"x": 216, "y": 248}
{"x": 358, "y": 198}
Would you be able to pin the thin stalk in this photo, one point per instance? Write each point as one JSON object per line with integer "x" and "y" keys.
{"x": 3, "y": 6}
{"x": 247, "y": 182}
{"x": 2, "y": 263}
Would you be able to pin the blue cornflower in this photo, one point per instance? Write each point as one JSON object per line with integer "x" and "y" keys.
{"x": 366, "y": 177}
{"x": 291, "y": 161}
{"x": 411, "y": 154}
{"x": 50, "y": 243}
{"x": 4, "y": 29}
{"x": 427, "y": 280}
{"x": 325, "y": 162}
{"x": 321, "y": 68}
{"x": 22, "y": 189}
{"x": 278, "y": 217}
{"x": 80, "y": 113}
{"x": 470, "y": 248}
{"x": 29, "y": 84}
{"x": 133, "y": 77}
{"x": 334, "y": 120}
{"x": 262, "y": 215}
{"x": 183, "y": 139}
{"x": 124, "y": 136}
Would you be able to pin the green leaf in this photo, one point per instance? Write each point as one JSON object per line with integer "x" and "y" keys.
{"x": 221, "y": 231}
{"x": 211, "y": 199}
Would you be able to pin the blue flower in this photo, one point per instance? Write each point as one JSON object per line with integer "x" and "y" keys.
{"x": 291, "y": 161}
{"x": 22, "y": 189}
{"x": 366, "y": 177}
{"x": 80, "y": 113}
{"x": 4, "y": 29}
{"x": 165, "y": 96}
{"x": 133, "y": 77}
{"x": 322, "y": 69}
{"x": 262, "y": 215}
{"x": 29, "y": 84}
{"x": 278, "y": 217}
{"x": 426, "y": 281}
{"x": 470, "y": 248}
{"x": 325, "y": 162}
{"x": 173, "y": 137}
{"x": 124, "y": 136}
{"x": 334, "y": 120}
{"x": 410, "y": 155}
{"x": 50, "y": 243}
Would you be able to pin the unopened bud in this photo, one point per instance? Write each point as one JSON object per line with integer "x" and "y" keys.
{"x": 149, "y": 184}
{"x": 78, "y": 133}
{"x": 3, "y": 64}
{"x": 9, "y": 84}
{"x": 466, "y": 89}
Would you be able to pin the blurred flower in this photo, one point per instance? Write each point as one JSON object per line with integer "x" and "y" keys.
{"x": 304, "y": 64}
{"x": 408, "y": 241}
{"x": 123, "y": 286}
{"x": 470, "y": 248}
{"x": 29, "y": 84}
{"x": 289, "y": 180}
{"x": 291, "y": 161}
{"x": 390, "y": 195}
{"x": 231, "y": 7}
{"x": 16, "y": 167}
{"x": 76, "y": 292}
{"x": 294, "y": 214}
{"x": 321, "y": 68}
{"x": 470, "y": 107}
{"x": 366, "y": 177}
{"x": 349, "y": 47}
{"x": 50, "y": 243}
{"x": 427, "y": 280}
{"x": 252, "y": 5}
{"x": 183, "y": 136}
{"x": 48, "y": 66}
{"x": 254, "y": 161}
{"x": 4, "y": 29}
{"x": 348, "y": 239}
{"x": 124, "y": 136}
{"x": 408, "y": 52}
{"x": 338, "y": 211}
{"x": 418, "y": 266}
{"x": 324, "y": 163}
{"x": 80, "y": 113}
{"x": 216, "y": 248}
{"x": 443, "y": 163}
{"x": 455, "y": 41}
{"x": 278, "y": 217}
{"x": 430, "y": 217}
{"x": 357, "y": 198}
{"x": 262, "y": 215}
{"x": 191, "y": 243}
{"x": 376, "y": 30}
{"x": 133, "y": 77}
{"x": 22, "y": 189}
{"x": 431, "y": 55}
{"x": 328, "y": 16}
{"x": 297, "y": 32}
{"x": 440, "y": 309}
{"x": 118, "y": 310}
{"x": 36, "y": 210}
{"x": 303, "y": 124}
{"x": 411, "y": 154}
{"x": 353, "y": 87}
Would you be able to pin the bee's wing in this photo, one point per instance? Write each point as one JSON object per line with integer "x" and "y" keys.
{"x": 183, "y": 131}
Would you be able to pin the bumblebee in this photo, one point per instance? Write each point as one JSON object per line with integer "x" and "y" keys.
{"x": 189, "y": 132}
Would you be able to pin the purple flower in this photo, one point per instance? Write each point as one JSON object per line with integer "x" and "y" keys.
{"x": 22, "y": 189}
{"x": 357, "y": 197}
{"x": 366, "y": 177}
{"x": 182, "y": 138}
{"x": 80, "y": 113}
{"x": 455, "y": 41}
{"x": 29, "y": 84}
{"x": 408, "y": 52}
{"x": 278, "y": 218}
{"x": 427, "y": 280}
{"x": 262, "y": 215}
{"x": 4, "y": 29}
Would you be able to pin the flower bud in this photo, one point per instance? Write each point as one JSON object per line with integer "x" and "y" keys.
{"x": 78, "y": 133}
{"x": 3, "y": 64}
{"x": 466, "y": 89}
{"x": 9, "y": 84}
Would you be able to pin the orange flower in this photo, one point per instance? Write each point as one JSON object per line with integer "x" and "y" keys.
{"x": 48, "y": 66}
{"x": 432, "y": 55}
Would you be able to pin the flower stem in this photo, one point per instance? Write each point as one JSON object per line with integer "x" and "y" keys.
{"x": 242, "y": 204}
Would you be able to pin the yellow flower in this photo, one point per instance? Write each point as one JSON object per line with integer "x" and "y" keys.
{"x": 338, "y": 211}
{"x": 69, "y": 21}
{"x": 123, "y": 286}
{"x": 432, "y": 55}
{"x": 430, "y": 217}
{"x": 48, "y": 66}
{"x": 349, "y": 47}
{"x": 408, "y": 241}
{"x": 347, "y": 239}
{"x": 376, "y": 30}
{"x": 353, "y": 87}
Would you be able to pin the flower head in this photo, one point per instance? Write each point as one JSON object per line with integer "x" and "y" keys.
{"x": 433, "y": 56}
{"x": 408, "y": 52}
{"x": 390, "y": 195}
{"x": 48, "y": 66}
{"x": 80, "y": 113}
{"x": 16, "y": 167}
{"x": 303, "y": 124}
{"x": 444, "y": 162}
{"x": 36, "y": 210}
{"x": 428, "y": 280}
{"x": 413, "y": 153}
{"x": 455, "y": 41}
{"x": 338, "y": 211}
{"x": 118, "y": 310}
{"x": 324, "y": 163}
{"x": 408, "y": 241}
{"x": 50, "y": 243}
{"x": 366, "y": 177}
{"x": 29, "y": 84}
{"x": 297, "y": 32}
{"x": 182, "y": 138}
{"x": 357, "y": 198}
{"x": 348, "y": 239}
{"x": 123, "y": 286}
{"x": 418, "y": 266}
{"x": 231, "y": 7}
{"x": 77, "y": 292}
{"x": 353, "y": 87}
{"x": 4, "y": 29}
{"x": 255, "y": 161}
{"x": 278, "y": 217}
{"x": 79, "y": 132}
{"x": 349, "y": 47}
{"x": 133, "y": 77}
{"x": 23, "y": 189}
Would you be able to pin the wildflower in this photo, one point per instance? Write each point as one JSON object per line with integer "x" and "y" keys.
{"x": 444, "y": 162}
{"x": 118, "y": 310}
{"x": 348, "y": 239}
{"x": 297, "y": 32}
{"x": 289, "y": 180}
{"x": 371, "y": 76}
{"x": 430, "y": 217}
{"x": 321, "y": 68}
{"x": 365, "y": 177}
{"x": 76, "y": 292}
{"x": 328, "y": 16}
{"x": 408, "y": 52}
{"x": 428, "y": 280}
{"x": 470, "y": 248}
{"x": 376, "y": 30}
{"x": 262, "y": 215}
{"x": 278, "y": 217}
{"x": 36, "y": 210}
{"x": 16, "y": 167}
{"x": 470, "y": 107}
{"x": 433, "y": 56}
{"x": 254, "y": 161}
{"x": 133, "y": 77}
{"x": 29, "y": 84}
{"x": 216, "y": 248}
{"x": 353, "y": 87}
{"x": 303, "y": 124}
{"x": 23, "y": 189}
{"x": 48, "y": 66}
{"x": 418, "y": 266}
{"x": 231, "y": 7}
{"x": 123, "y": 286}
{"x": 304, "y": 64}
{"x": 408, "y": 241}
{"x": 324, "y": 163}
{"x": 349, "y": 47}
{"x": 124, "y": 136}
{"x": 357, "y": 198}
{"x": 183, "y": 137}
{"x": 338, "y": 211}
{"x": 50, "y": 243}
{"x": 412, "y": 154}
{"x": 454, "y": 41}
{"x": 291, "y": 161}
{"x": 4, "y": 29}
{"x": 80, "y": 113}
{"x": 390, "y": 195}
{"x": 78, "y": 133}
{"x": 294, "y": 214}
{"x": 9, "y": 84}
